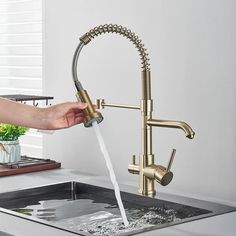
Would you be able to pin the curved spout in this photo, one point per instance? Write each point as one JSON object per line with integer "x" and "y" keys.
{"x": 173, "y": 124}
{"x": 78, "y": 85}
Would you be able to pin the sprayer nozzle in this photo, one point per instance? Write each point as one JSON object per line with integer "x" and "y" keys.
{"x": 90, "y": 114}
{"x": 95, "y": 116}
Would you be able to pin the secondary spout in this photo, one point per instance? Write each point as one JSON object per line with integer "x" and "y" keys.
{"x": 173, "y": 124}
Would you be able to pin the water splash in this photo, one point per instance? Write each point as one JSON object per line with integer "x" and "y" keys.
{"x": 102, "y": 219}
{"x": 104, "y": 223}
{"x": 111, "y": 172}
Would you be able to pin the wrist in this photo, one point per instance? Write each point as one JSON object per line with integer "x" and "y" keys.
{"x": 42, "y": 118}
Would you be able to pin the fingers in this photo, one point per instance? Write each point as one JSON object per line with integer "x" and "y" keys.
{"x": 79, "y": 120}
{"x": 76, "y": 105}
{"x": 79, "y": 114}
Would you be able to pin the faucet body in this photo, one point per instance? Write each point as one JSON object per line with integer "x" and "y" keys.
{"x": 147, "y": 170}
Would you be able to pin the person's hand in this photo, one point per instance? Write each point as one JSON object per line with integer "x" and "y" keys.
{"x": 64, "y": 115}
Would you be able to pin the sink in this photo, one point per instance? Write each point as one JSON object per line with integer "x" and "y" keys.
{"x": 85, "y": 209}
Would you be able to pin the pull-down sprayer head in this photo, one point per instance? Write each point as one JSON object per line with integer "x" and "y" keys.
{"x": 90, "y": 114}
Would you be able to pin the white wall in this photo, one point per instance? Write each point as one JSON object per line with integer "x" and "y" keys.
{"x": 193, "y": 63}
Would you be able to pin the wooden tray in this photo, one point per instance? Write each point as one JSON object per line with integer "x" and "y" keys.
{"x": 27, "y": 165}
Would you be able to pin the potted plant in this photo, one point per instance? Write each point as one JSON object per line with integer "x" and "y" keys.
{"x": 10, "y": 150}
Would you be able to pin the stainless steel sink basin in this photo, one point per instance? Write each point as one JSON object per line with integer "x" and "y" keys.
{"x": 85, "y": 209}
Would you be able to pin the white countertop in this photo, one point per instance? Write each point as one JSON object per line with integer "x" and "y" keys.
{"x": 220, "y": 225}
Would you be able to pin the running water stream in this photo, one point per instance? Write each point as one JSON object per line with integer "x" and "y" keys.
{"x": 111, "y": 171}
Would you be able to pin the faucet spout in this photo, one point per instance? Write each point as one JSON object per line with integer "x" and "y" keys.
{"x": 173, "y": 124}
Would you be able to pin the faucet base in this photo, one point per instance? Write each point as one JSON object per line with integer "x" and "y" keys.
{"x": 149, "y": 193}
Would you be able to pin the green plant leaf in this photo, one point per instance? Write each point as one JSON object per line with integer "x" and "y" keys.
{"x": 10, "y": 132}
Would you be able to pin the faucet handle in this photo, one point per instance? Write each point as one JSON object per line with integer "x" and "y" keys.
{"x": 162, "y": 174}
{"x": 133, "y": 160}
{"x": 171, "y": 160}
{"x": 133, "y": 168}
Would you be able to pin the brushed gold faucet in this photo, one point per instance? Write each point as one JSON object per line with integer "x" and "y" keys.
{"x": 146, "y": 169}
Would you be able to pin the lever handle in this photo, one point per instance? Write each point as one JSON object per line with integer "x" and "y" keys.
{"x": 133, "y": 160}
{"x": 162, "y": 174}
{"x": 171, "y": 160}
{"x": 133, "y": 168}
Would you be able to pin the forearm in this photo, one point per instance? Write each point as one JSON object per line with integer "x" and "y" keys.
{"x": 21, "y": 114}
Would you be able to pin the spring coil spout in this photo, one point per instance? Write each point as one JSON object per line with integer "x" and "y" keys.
{"x": 118, "y": 29}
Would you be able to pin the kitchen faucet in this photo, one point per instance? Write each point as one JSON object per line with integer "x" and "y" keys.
{"x": 146, "y": 169}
